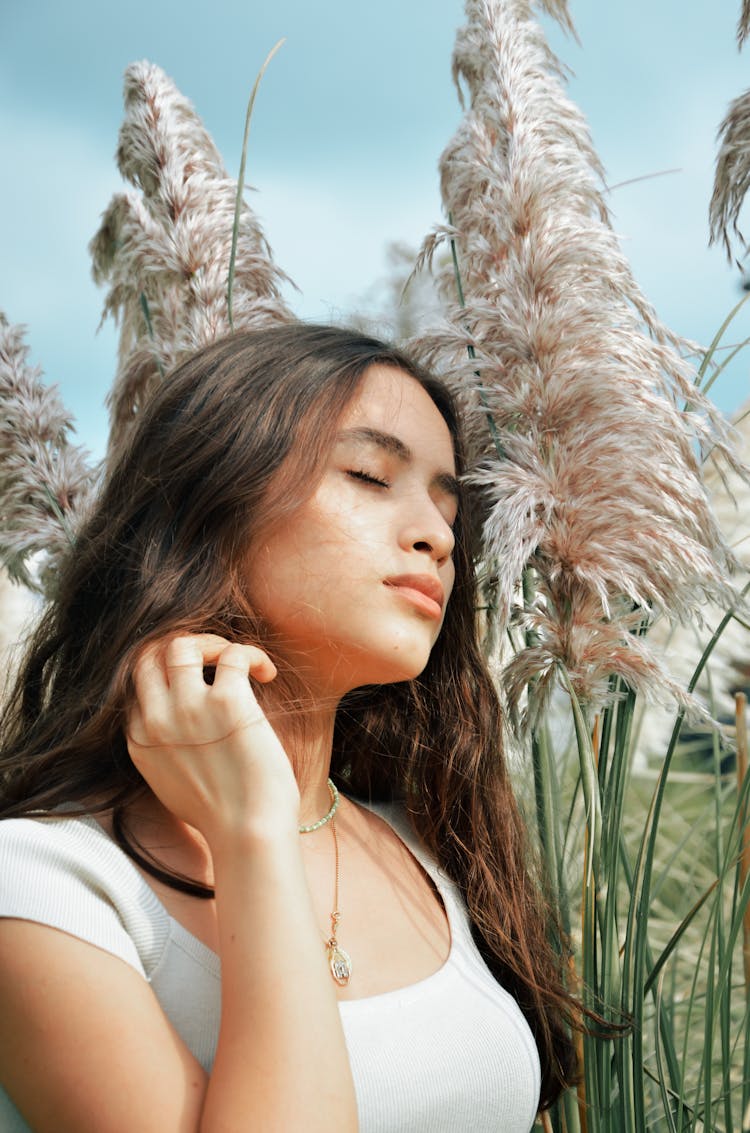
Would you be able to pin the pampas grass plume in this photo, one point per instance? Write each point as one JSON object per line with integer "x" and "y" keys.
{"x": 165, "y": 250}
{"x": 45, "y": 481}
{"x": 743, "y": 24}
{"x": 732, "y": 174}
{"x": 584, "y": 458}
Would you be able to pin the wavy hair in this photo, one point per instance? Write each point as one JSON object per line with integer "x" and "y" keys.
{"x": 230, "y": 445}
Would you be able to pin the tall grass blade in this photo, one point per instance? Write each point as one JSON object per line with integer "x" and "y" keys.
{"x": 662, "y": 1077}
{"x": 744, "y": 824}
{"x": 636, "y": 940}
{"x": 241, "y": 179}
{"x": 708, "y": 356}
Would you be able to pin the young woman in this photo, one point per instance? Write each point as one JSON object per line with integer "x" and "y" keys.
{"x": 254, "y": 738}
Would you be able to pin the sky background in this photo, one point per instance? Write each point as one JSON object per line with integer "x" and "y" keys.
{"x": 348, "y": 127}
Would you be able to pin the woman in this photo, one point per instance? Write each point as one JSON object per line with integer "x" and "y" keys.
{"x": 276, "y": 587}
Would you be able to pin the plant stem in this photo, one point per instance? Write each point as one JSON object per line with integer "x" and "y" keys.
{"x": 241, "y": 179}
{"x": 150, "y": 328}
{"x": 494, "y": 433}
{"x": 636, "y": 939}
{"x": 716, "y": 340}
{"x": 742, "y": 817}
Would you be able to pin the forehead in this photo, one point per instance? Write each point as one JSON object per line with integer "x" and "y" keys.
{"x": 392, "y": 401}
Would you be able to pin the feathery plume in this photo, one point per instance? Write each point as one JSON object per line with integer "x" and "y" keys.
{"x": 558, "y": 10}
{"x": 45, "y": 481}
{"x": 727, "y": 670}
{"x": 743, "y": 24}
{"x": 732, "y": 175}
{"x": 165, "y": 251}
{"x": 584, "y": 459}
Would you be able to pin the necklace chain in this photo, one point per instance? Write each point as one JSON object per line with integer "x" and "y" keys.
{"x": 338, "y": 960}
{"x": 335, "y": 914}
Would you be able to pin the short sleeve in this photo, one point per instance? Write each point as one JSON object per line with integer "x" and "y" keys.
{"x": 68, "y": 874}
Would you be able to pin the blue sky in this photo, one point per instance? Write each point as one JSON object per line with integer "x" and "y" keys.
{"x": 349, "y": 124}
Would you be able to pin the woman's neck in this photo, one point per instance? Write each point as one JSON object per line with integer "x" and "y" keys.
{"x": 307, "y": 738}
{"x": 301, "y": 704}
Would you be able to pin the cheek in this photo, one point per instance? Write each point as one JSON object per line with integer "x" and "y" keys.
{"x": 448, "y": 579}
{"x": 271, "y": 574}
{"x": 296, "y": 577}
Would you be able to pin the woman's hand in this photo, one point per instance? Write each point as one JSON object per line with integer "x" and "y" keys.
{"x": 208, "y": 752}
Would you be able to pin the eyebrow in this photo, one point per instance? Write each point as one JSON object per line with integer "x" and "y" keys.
{"x": 396, "y": 447}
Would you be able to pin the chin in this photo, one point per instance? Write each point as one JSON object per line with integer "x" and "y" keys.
{"x": 393, "y": 669}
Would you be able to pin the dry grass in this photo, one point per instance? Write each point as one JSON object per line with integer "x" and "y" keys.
{"x": 165, "y": 249}
{"x": 584, "y": 454}
{"x": 46, "y": 481}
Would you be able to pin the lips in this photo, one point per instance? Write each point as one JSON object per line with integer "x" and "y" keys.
{"x": 416, "y": 585}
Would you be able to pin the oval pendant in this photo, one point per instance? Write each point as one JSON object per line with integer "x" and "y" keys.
{"x": 340, "y": 965}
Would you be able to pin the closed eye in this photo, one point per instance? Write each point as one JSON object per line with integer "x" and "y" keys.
{"x": 360, "y": 474}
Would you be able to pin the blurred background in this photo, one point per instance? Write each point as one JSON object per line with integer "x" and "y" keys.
{"x": 348, "y": 126}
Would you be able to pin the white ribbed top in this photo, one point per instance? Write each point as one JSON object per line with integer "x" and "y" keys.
{"x": 449, "y": 1054}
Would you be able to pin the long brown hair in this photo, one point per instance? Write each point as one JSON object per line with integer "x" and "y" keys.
{"x": 233, "y": 442}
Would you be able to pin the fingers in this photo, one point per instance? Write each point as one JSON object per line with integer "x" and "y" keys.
{"x": 183, "y": 666}
{"x": 204, "y": 746}
{"x": 243, "y": 661}
{"x": 173, "y": 673}
{"x": 150, "y": 681}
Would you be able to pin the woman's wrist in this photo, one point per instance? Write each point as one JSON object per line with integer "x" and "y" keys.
{"x": 274, "y": 832}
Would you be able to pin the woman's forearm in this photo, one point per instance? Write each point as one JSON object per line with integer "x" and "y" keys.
{"x": 281, "y": 1061}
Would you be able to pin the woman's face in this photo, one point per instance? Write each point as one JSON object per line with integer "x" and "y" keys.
{"x": 356, "y": 583}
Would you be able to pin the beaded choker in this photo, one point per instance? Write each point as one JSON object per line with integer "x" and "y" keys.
{"x": 326, "y": 817}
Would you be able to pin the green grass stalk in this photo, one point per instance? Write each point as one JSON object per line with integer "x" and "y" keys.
{"x": 636, "y": 939}
{"x": 241, "y": 178}
{"x": 665, "y": 1022}
{"x": 725, "y": 998}
{"x": 661, "y": 1075}
{"x": 708, "y": 356}
{"x": 742, "y": 818}
{"x": 743, "y": 870}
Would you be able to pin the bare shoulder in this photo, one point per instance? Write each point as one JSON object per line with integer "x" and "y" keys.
{"x": 84, "y": 1044}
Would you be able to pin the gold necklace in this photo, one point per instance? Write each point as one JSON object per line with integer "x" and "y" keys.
{"x": 339, "y": 961}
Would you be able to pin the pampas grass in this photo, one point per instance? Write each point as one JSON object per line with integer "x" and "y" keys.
{"x": 585, "y": 459}
{"x": 588, "y": 430}
{"x": 165, "y": 250}
{"x": 743, "y": 24}
{"x": 732, "y": 176}
{"x": 732, "y": 173}
{"x": 730, "y": 500}
{"x": 45, "y": 480}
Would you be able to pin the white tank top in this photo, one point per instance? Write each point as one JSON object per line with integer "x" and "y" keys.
{"x": 449, "y": 1054}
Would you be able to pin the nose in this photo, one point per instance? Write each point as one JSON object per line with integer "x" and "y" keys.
{"x": 433, "y": 536}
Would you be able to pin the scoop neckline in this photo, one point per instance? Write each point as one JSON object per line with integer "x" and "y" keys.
{"x": 206, "y": 956}
{"x": 406, "y": 991}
